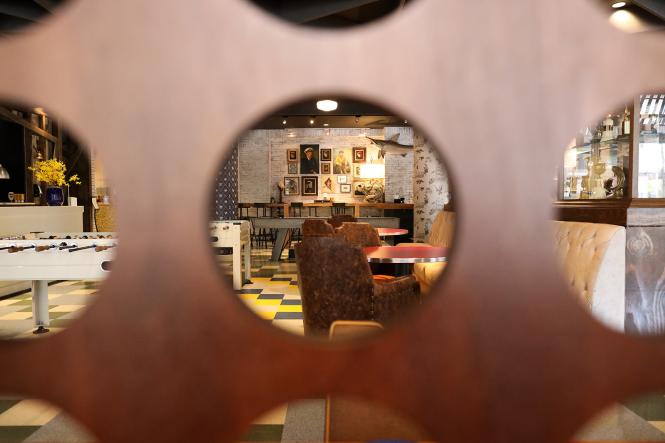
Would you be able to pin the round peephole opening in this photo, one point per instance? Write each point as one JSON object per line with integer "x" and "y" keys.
{"x": 610, "y": 216}
{"x": 331, "y": 14}
{"x": 57, "y": 235}
{"x": 324, "y": 218}
{"x": 17, "y": 16}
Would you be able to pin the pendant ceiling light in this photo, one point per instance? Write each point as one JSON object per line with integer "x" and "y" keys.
{"x": 4, "y": 174}
{"x": 326, "y": 105}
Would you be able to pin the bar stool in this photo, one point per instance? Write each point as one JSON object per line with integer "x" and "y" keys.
{"x": 263, "y": 235}
{"x": 296, "y": 207}
{"x": 339, "y": 208}
{"x": 243, "y": 207}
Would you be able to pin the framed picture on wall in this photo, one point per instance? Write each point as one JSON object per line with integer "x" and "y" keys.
{"x": 293, "y": 168}
{"x": 356, "y": 170}
{"x": 342, "y": 164}
{"x": 325, "y": 168}
{"x": 345, "y": 188}
{"x": 291, "y": 186}
{"x": 310, "y": 186}
{"x": 359, "y": 155}
{"x": 328, "y": 184}
{"x": 309, "y": 159}
{"x": 341, "y": 179}
{"x": 326, "y": 155}
{"x": 291, "y": 155}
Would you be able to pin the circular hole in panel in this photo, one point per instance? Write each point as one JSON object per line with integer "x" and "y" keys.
{"x": 333, "y": 14}
{"x": 56, "y": 224}
{"x": 17, "y": 15}
{"x": 640, "y": 419}
{"x": 334, "y": 419}
{"x": 610, "y": 188}
{"x": 29, "y": 420}
{"x": 343, "y": 215}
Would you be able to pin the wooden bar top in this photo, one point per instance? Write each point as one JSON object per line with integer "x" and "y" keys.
{"x": 355, "y": 205}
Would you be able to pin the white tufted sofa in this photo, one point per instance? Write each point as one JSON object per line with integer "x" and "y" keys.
{"x": 593, "y": 257}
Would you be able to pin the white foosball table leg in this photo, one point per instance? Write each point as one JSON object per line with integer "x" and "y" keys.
{"x": 237, "y": 273}
{"x": 40, "y": 305}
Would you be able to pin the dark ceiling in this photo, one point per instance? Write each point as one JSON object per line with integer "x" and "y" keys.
{"x": 650, "y": 13}
{"x": 349, "y": 114}
{"x": 331, "y": 13}
{"x": 17, "y": 14}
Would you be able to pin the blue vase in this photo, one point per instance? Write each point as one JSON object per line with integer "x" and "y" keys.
{"x": 54, "y": 196}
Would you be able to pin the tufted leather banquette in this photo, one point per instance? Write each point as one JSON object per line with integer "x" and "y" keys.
{"x": 593, "y": 258}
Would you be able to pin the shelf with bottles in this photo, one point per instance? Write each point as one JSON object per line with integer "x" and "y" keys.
{"x": 597, "y": 163}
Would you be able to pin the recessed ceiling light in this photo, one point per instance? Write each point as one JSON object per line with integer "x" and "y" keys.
{"x": 284, "y": 121}
{"x": 326, "y": 105}
{"x": 311, "y": 121}
{"x": 326, "y": 124}
{"x": 617, "y": 5}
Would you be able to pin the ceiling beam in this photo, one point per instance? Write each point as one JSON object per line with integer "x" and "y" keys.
{"x": 304, "y": 11}
{"x": 655, "y": 7}
{"x": 27, "y": 124}
{"x": 48, "y": 5}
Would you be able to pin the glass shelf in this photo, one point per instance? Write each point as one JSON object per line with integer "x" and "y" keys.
{"x": 596, "y": 167}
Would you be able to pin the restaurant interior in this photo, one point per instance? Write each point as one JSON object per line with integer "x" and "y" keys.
{"x": 333, "y": 219}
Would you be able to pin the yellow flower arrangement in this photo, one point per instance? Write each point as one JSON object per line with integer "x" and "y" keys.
{"x": 52, "y": 172}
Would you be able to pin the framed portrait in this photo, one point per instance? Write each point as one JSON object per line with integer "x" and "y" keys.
{"x": 342, "y": 162}
{"x": 310, "y": 186}
{"x": 325, "y": 168}
{"x": 345, "y": 188}
{"x": 291, "y": 186}
{"x": 341, "y": 179}
{"x": 293, "y": 168}
{"x": 326, "y": 154}
{"x": 309, "y": 159}
{"x": 328, "y": 184}
{"x": 291, "y": 155}
{"x": 359, "y": 155}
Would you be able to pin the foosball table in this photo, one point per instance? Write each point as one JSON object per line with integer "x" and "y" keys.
{"x": 234, "y": 234}
{"x": 47, "y": 256}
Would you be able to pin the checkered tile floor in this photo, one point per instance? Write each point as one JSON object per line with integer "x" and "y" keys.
{"x": 273, "y": 294}
{"x": 67, "y": 301}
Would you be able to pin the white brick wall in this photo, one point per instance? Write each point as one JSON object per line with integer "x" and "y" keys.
{"x": 430, "y": 186}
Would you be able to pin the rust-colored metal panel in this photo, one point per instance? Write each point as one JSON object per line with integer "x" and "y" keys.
{"x": 500, "y": 353}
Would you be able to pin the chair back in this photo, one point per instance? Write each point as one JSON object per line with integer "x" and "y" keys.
{"x": 349, "y": 419}
{"x": 361, "y": 235}
{"x": 337, "y": 219}
{"x": 317, "y": 228}
{"x": 335, "y": 283}
{"x": 442, "y": 230}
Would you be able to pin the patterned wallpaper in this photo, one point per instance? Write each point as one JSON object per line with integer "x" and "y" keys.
{"x": 226, "y": 189}
{"x": 430, "y": 186}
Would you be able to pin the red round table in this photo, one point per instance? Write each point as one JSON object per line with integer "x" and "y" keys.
{"x": 389, "y": 232}
{"x": 406, "y": 254}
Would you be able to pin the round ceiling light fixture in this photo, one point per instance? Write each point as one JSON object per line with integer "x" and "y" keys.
{"x": 617, "y": 5}
{"x": 326, "y": 105}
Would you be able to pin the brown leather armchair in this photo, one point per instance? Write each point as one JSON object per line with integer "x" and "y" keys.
{"x": 317, "y": 228}
{"x": 361, "y": 235}
{"x": 336, "y": 283}
{"x": 337, "y": 220}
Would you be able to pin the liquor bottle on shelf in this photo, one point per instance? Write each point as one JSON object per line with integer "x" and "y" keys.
{"x": 626, "y": 122}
